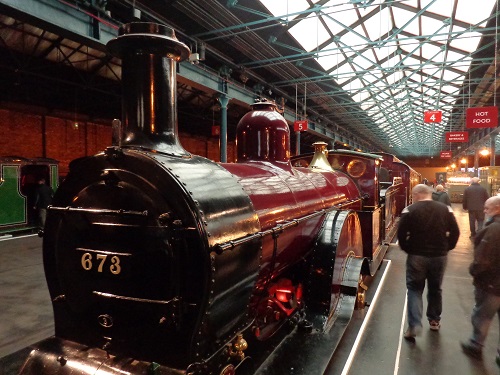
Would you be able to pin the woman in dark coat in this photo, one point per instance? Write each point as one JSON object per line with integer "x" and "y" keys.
{"x": 441, "y": 196}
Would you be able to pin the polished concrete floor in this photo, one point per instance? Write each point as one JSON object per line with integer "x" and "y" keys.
{"x": 372, "y": 344}
{"x": 381, "y": 349}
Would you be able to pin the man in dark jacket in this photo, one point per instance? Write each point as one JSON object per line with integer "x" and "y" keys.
{"x": 473, "y": 201}
{"x": 427, "y": 231}
{"x": 485, "y": 271}
{"x": 44, "y": 194}
{"x": 441, "y": 196}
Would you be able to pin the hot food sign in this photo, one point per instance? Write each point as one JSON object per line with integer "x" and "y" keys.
{"x": 482, "y": 117}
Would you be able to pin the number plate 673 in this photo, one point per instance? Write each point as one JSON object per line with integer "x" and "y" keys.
{"x": 103, "y": 262}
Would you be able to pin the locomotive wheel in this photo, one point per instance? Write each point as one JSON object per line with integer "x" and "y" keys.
{"x": 335, "y": 284}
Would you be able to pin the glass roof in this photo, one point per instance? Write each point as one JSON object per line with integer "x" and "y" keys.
{"x": 396, "y": 60}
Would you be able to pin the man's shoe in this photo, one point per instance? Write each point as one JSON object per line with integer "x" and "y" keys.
{"x": 497, "y": 360}
{"x": 472, "y": 350}
{"x": 410, "y": 334}
{"x": 434, "y": 325}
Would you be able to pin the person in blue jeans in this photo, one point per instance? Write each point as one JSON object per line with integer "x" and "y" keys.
{"x": 485, "y": 271}
{"x": 427, "y": 231}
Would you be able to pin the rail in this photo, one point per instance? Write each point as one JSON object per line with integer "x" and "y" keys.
{"x": 96, "y": 211}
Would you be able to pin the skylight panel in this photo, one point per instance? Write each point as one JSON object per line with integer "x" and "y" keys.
{"x": 412, "y": 45}
{"x": 379, "y": 25}
{"x": 352, "y": 86}
{"x": 394, "y": 78}
{"x": 431, "y": 92}
{"x": 432, "y": 53}
{"x": 473, "y": 12}
{"x": 383, "y": 95}
{"x": 447, "y": 89}
{"x": 337, "y": 16}
{"x": 342, "y": 73}
{"x": 465, "y": 40}
{"x": 310, "y": 32}
{"x": 392, "y": 62}
{"x": 439, "y": 7}
{"x": 362, "y": 95}
{"x": 435, "y": 30}
{"x": 386, "y": 50}
{"x": 449, "y": 75}
{"x": 361, "y": 62}
{"x": 402, "y": 17}
{"x": 463, "y": 64}
{"x": 366, "y": 107}
{"x": 355, "y": 40}
{"x": 284, "y": 7}
{"x": 411, "y": 62}
{"x": 330, "y": 57}
{"x": 369, "y": 78}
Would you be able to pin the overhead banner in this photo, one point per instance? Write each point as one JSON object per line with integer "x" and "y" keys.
{"x": 432, "y": 116}
{"x": 446, "y": 155}
{"x": 457, "y": 136}
{"x": 482, "y": 117}
{"x": 300, "y": 126}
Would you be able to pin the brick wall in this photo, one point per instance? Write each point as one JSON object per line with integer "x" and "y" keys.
{"x": 39, "y": 135}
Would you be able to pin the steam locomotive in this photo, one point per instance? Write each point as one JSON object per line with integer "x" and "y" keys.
{"x": 163, "y": 262}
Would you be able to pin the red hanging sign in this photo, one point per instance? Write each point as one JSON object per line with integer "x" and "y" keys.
{"x": 215, "y": 130}
{"x": 482, "y": 117}
{"x": 446, "y": 155}
{"x": 300, "y": 126}
{"x": 433, "y": 116}
{"x": 457, "y": 136}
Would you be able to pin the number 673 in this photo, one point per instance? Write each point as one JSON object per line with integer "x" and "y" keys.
{"x": 101, "y": 262}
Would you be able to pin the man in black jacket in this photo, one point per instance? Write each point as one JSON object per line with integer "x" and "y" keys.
{"x": 427, "y": 231}
{"x": 44, "y": 194}
{"x": 485, "y": 271}
{"x": 473, "y": 201}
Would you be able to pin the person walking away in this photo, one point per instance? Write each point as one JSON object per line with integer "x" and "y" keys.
{"x": 441, "y": 196}
{"x": 473, "y": 201}
{"x": 427, "y": 231}
{"x": 485, "y": 271}
{"x": 44, "y": 194}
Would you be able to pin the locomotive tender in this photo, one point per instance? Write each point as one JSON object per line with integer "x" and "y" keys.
{"x": 18, "y": 183}
{"x": 162, "y": 262}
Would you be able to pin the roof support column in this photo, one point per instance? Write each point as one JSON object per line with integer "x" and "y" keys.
{"x": 224, "y": 100}
{"x": 493, "y": 137}
{"x": 297, "y": 143}
{"x": 476, "y": 161}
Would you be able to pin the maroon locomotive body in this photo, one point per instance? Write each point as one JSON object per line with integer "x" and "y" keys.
{"x": 162, "y": 262}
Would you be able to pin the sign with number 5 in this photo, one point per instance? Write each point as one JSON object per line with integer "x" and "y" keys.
{"x": 300, "y": 126}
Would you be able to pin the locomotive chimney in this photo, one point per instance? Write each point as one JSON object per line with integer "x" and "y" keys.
{"x": 149, "y": 53}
